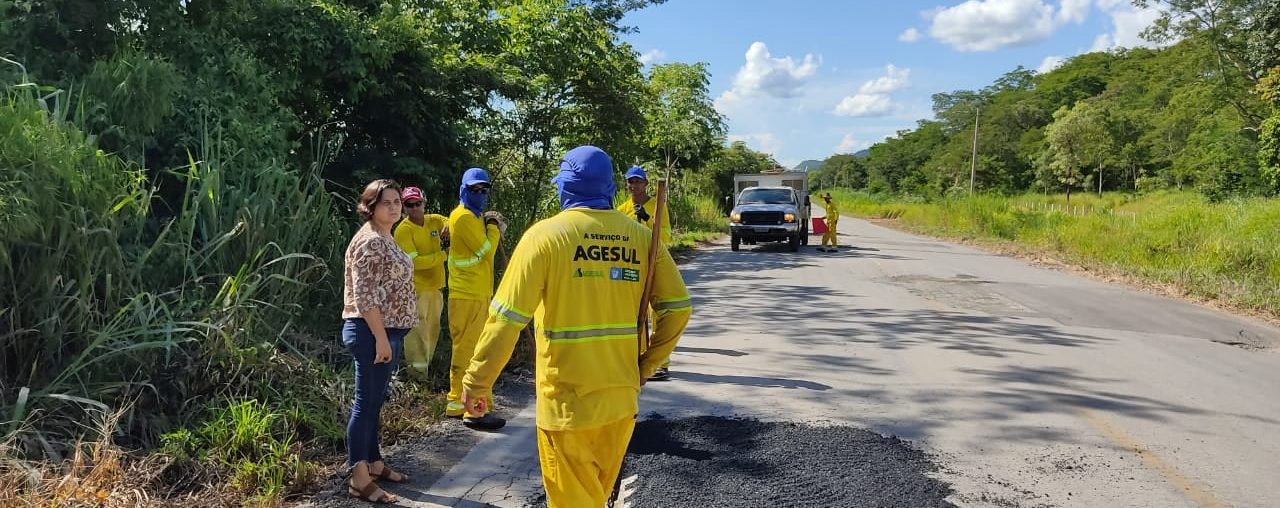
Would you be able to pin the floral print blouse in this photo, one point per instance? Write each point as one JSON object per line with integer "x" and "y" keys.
{"x": 378, "y": 275}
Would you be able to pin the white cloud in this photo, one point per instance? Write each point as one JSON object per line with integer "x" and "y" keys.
{"x": 909, "y": 35}
{"x": 863, "y": 105}
{"x": 762, "y": 141}
{"x": 850, "y": 144}
{"x": 1049, "y": 63}
{"x": 652, "y": 56}
{"x": 986, "y": 25}
{"x": 762, "y": 74}
{"x": 1101, "y": 43}
{"x": 1074, "y": 11}
{"x": 1127, "y": 23}
{"x": 894, "y": 79}
{"x": 872, "y": 98}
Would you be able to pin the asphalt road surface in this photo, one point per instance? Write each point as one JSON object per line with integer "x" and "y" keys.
{"x": 1023, "y": 386}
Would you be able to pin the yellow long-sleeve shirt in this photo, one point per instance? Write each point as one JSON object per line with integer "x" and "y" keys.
{"x": 833, "y": 212}
{"x": 628, "y": 208}
{"x": 579, "y": 276}
{"x": 472, "y": 246}
{"x": 422, "y": 244}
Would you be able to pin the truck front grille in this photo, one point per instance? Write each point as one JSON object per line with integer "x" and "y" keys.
{"x": 761, "y": 218}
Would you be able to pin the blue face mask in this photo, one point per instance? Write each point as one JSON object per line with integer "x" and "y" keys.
{"x": 473, "y": 201}
{"x": 586, "y": 179}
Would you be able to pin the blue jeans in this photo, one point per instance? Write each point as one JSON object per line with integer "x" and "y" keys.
{"x": 371, "y": 388}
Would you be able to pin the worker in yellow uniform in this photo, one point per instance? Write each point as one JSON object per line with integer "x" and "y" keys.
{"x": 419, "y": 235}
{"x": 579, "y": 277}
{"x": 473, "y": 240}
{"x": 833, "y": 216}
{"x": 641, "y": 207}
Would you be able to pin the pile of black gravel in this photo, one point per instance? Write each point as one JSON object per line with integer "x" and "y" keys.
{"x": 707, "y": 461}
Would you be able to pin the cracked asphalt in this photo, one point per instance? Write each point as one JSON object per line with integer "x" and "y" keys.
{"x": 995, "y": 383}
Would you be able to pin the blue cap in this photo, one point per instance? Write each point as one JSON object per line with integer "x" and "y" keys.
{"x": 636, "y": 172}
{"x": 474, "y": 176}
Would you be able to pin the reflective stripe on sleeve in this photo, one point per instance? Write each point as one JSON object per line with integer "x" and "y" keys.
{"x": 509, "y": 313}
{"x": 462, "y": 262}
{"x": 673, "y": 305}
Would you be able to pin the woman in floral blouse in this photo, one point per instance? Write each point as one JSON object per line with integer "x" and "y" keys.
{"x": 378, "y": 309}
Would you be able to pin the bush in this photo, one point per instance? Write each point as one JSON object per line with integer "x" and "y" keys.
{"x": 109, "y": 304}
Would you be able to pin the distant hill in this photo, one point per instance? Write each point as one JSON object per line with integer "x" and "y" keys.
{"x": 808, "y": 165}
{"x": 862, "y": 154}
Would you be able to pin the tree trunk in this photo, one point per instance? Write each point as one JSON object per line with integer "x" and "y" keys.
{"x": 1099, "y": 180}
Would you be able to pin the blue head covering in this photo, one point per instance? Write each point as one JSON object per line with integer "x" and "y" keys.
{"x": 473, "y": 201}
{"x": 636, "y": 172}
{"x": 585, "y": 179}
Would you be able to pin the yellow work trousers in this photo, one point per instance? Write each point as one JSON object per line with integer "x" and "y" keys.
{"x": 830, "y": 235}
{"x": 579, "y": 467}
{"x": 420, "y": 343}
{"x": 653, "y": 320}
{"x": 466, "y": 321}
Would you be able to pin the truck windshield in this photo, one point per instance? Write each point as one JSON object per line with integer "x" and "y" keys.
{"x": 766, "y": 197}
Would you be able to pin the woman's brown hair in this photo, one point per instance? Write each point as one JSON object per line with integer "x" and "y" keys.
{"x": 372, "y": 195}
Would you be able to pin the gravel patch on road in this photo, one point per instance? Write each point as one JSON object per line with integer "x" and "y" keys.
{"x": 731, "y": 462}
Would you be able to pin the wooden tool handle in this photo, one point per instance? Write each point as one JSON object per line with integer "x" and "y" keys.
{"x": 655, "y": 243}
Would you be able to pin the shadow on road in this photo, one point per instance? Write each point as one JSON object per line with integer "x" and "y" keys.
{"x": 808, "y": 320}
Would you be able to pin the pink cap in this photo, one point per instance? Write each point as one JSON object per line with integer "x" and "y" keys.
{"x": 411, "y": 193}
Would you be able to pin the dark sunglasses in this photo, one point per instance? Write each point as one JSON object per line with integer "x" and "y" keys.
{"x": 479, "y": 189}
{"x": 414, "y": 204}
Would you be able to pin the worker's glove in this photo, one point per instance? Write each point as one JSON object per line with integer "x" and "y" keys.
{"x": 495, "y": 218}
{"x": 444, "y": 238}
{"x": 641, "y": 215}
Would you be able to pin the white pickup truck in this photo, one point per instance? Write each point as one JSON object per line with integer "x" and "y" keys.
{"x": 770, "y": 207}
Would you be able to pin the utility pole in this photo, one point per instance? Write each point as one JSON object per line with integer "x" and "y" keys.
{"x": 973, "y": 160}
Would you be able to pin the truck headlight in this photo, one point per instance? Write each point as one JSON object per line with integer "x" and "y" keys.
{"x": 791, "y": 217}
{"x": 736, "y": 218}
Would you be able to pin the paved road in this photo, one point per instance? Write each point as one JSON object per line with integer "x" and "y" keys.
{"x": 1032, "y": 387}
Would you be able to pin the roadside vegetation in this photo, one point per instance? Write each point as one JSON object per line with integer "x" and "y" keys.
{"x": 1224, "y": 251}
{"x": 176, "y": 186}
{"x": 1157, "y": 164}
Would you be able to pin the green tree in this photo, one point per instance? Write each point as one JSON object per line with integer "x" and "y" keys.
{"x": 1078, "y": 140}
{"x": 1226, "y": 26}
{"x": 716, "y": 177}
{"x": 840, "y": 170}
{"x": 682, "y": 127}
{"x": 1269, "y": 135}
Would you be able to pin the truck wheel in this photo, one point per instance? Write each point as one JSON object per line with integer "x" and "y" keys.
{"x": 795, "y": 243}
{"x": 734, "y": 241}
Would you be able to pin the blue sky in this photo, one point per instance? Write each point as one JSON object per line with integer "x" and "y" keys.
{"x": 804, "y": 79}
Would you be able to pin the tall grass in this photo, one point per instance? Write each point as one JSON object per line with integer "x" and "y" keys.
{"x": 111, "y": 303}
{"x": 1225, "y": 251}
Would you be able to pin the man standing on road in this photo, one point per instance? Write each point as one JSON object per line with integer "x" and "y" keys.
{"x": 641, "y": 207}
{"x": 473, "y": 241}
{"x": 580, "y": 276}
{"x": 419, "y": 235}
{"x": 833, "y": 216}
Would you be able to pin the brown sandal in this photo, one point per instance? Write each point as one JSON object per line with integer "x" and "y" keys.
{"x": 386, "y": 473}
{"x": 367, "y": 493}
